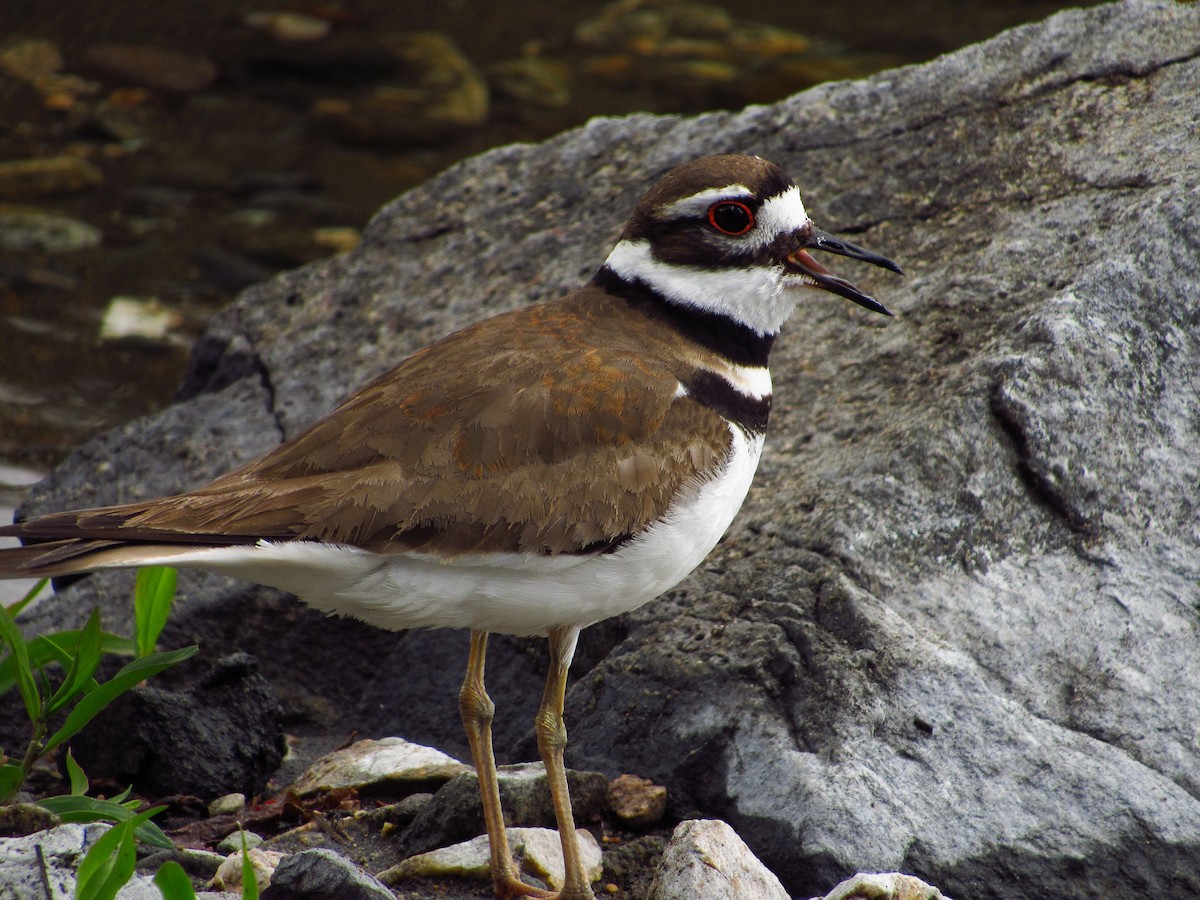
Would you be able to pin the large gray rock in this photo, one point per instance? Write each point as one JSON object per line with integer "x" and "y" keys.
{"x": 955, "y": 630}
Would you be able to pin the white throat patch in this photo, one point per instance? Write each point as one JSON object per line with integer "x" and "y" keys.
{"x": 759, "y": 297}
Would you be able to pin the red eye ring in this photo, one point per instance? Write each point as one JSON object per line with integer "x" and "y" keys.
{"x": 731, "y": 217}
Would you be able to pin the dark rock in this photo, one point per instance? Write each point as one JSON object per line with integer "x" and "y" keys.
{"x": 158, "y": 68}
{"x": 47, "y": 176}
{"x": 401, "y": 814}
{"x": 456, "y": 813}
{"x": 946, "y": 634}
{"x": 322, "y": 875}
{"x": 220, "y": 735}
{"x": 32, "y": 231}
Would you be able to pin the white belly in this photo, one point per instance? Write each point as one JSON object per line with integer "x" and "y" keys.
{"x": 507, "y": 592}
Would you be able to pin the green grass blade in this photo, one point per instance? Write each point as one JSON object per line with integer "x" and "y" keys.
{"x": 49, "y": 648}
{"x": 15, "y": 609}
{"x": 82, "y": 810}
{"x": 110, "y": 862}
{"x": 173, "y": 883}
{"x": 12, "y": 776}
{"x": 79, "y": 781}
{"x": 249, "y": 879}
{"x": 152, "y": 605}
{"x": 130, "y": 676}
{"x": 83, "y": 665}
{"x": 18, "y": 651}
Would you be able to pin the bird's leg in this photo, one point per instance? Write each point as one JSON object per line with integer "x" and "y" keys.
{"x": 552, "y": 741}
{"x": 477, "y": 711}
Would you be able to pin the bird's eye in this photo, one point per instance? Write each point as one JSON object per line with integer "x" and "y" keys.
{"x": 731, "y": 217}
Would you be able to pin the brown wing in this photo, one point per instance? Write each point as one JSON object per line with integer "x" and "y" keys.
{"x": 541, "y": 431}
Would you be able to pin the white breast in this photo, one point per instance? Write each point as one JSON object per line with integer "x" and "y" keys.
{"x": 508, "y": 592}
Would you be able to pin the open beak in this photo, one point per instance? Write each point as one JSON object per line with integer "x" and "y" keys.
{"x": 801, "y": 262}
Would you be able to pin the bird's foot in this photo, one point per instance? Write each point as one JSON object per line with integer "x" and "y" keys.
{"x": 512, "y": 887}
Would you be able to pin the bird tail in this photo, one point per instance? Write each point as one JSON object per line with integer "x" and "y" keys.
{"x": 55, "y": 558}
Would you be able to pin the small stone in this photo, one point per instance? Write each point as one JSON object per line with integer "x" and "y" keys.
{"x": 456, "y": 813}
{"x": 141, "y": 317}
{"x": 884, "y": 886}
{"x": 229, "y": 804}
{"x": 367, "y": 763}
{"x": 263, "y": 862}
{"x": 29, "y": 60}
{"x": 232, "y": 843}
{"x": 538, "y": 852}
{"x": 47, "y": 176}
{"x": 322, "y": 873}
{"x": 23, "y": 232}
{"x": 706, "y": 858}
{"x": 289, "y": 27}
{"x": 338, "y": 238}
{"x": 152, "y": 67}
{"x": 637, "y": 802}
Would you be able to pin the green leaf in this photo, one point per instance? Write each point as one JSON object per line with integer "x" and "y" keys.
{"x": 82, "y": 666}
{"x": 249, "y": 880}
{"x": 79, "y": 781}
{"x": 152, "y": 605}
{"x": 109, "y": 863}
{"x": 51, "y": 648}
{"x": 11, "y": 778}
{"x": 22, "y": 671}
{"x": 173, "y": 882}
{"x": 130, "y": 676}
{"x": 82, "y": 810}
{"x": 15, "y": 609}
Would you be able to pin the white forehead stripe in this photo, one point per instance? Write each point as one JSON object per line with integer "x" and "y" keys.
{"x": 698, "y": 204}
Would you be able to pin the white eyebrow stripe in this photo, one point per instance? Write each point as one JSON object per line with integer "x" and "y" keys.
{"x": 698, "y": 204}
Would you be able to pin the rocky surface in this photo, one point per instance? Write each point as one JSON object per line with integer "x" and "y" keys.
{"x": 951, "y": 632}
{"x": 176, "y": 153}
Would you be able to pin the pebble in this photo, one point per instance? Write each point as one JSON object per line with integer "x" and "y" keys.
{"x": 24, "y": 231}
{"x": 289, "y": 27}
{"x": 30, "y": 60}
{"x": 157, "y": 68}
{"x": 47, "y": 176}
{"x": 232, "y": 843}
{"x": 148, "y": 318}
{"x": 371, "y": 762}
{"x": 637, "y": 802}
{"x": 229, "y": 804}
{"x": 538, "y": 852}
{"x": 229, "y": 875}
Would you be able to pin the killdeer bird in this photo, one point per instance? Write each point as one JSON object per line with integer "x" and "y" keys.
{"x": 531, "y": 474}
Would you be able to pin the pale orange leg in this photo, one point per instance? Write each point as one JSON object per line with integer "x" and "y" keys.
{"x": 552, "y": 741}
{"x": 477, "y": 712}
